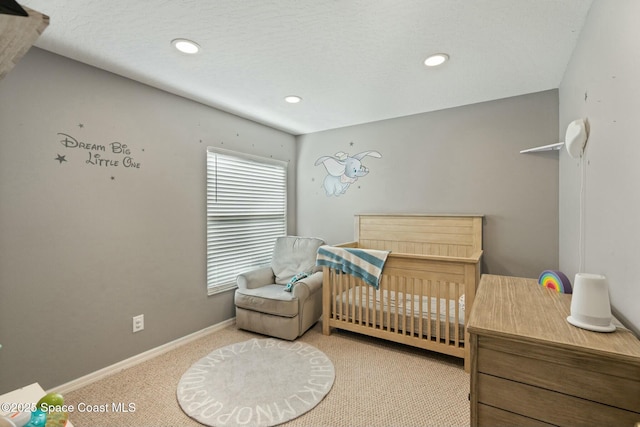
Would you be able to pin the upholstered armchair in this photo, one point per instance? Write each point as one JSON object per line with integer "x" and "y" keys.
{"x": 271, "y": 301}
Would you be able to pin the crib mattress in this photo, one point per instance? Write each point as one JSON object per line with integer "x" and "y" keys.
{"x": 392, "y": 302}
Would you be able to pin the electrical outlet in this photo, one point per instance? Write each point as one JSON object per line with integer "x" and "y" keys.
{"x": 138, "y": 323}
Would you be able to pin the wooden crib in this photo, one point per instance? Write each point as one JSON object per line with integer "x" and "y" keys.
{"x": 427, "y": 286}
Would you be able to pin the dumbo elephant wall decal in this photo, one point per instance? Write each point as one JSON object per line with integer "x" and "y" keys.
{"x": 343, "y": 170}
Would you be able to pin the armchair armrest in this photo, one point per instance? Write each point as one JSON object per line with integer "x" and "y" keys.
{"x": 255, "y": 278}
{"x": 308, "y": 286}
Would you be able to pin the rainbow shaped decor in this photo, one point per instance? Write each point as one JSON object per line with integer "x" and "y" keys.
{"x": 555, "y": 280}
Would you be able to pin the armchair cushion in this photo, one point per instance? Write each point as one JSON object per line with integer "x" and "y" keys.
{"x": 293, "y": 255}
{"x": 269, "y": 299}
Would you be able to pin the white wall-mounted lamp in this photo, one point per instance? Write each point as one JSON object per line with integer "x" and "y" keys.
{"x": 576, "y": 138}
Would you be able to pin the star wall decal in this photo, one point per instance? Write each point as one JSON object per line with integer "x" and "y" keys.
{"x": 113, "y": 178}
{"x": 80, "y": 125}
{"x": 351, "y": 143}
{"x": 61, "y": 158}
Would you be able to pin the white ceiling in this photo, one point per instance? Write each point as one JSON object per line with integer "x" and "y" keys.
{"x": 352, "y": 61}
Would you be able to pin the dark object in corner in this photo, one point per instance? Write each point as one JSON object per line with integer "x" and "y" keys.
{"x": 10, "y": 7}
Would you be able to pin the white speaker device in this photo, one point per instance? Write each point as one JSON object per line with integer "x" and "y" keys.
{"x": 590, "y": 306}
{"x": 575, "y": 138}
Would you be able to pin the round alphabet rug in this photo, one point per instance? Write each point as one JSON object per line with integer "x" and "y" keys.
{"x": 260, "y": 382}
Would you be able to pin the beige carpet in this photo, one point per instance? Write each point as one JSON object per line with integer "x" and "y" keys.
{"x": 377, "y": 383}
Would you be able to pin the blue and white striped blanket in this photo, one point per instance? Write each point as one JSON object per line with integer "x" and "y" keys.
{"x": 366, "y": 264}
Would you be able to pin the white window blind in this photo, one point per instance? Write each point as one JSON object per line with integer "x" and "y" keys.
{"x": 246, "y": 212}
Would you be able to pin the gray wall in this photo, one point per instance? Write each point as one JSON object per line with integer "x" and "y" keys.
{"x": 460, "y": 160}
{"x": 80, "y": 252}
{"x": 601, "y": 85}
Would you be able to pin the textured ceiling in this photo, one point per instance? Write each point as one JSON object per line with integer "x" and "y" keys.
{"x": 352, "y": 61}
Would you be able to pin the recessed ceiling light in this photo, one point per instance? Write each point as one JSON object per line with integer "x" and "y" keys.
{"x": 186, "y": 46}
{"x": 292, "y": 99}
{"x": 435, "y": 60}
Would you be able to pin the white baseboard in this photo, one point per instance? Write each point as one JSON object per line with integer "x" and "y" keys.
{"x": 139, "y": 358}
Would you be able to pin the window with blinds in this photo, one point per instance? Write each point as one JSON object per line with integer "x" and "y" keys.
{"x": 246, "y": 212}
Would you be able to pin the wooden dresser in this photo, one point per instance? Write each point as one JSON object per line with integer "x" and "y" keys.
{"x": 529, "y": 366}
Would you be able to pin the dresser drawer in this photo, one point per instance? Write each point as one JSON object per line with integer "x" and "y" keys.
{"x": 549, "y": 406}
{"x": 495, "y": 417}
{"x": 560, "y": 373}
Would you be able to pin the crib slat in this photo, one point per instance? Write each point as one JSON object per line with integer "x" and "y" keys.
{"x": 412, "y": 326}
{"x": 402, "y": 289}
{"x": 374, "y": 308}
{"x": 457, "y": 314}
{"x": 363, "y": 301}
{"x": 380, "y": 313}
{"x": 408, "y": 310}
{"x": 420, "y": 308}
{"x": 345, "y": 308}
{"x": 447, "y": 320}
{"x": 351, "y": 303}
{"x": 360, "y": 304}
{"x": 351, "y": 316}
{"x": 408, "y": 305}
{"x": 334, "y": 292}
{"x": 438, "y": 322}
{"x": 368, "y": 302}
{"x": 385, "y": 313}
{"x": 339, "y": 294}
{"x": 429, "y": 293}
{"x": 354, "y": 300}
{"x": 388, "y": 311}
{"x": 397, "y": 304}
{"x": 381, "y": 297}
{"x": 402, "y": 308}
{"x": 342, "y": 297}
